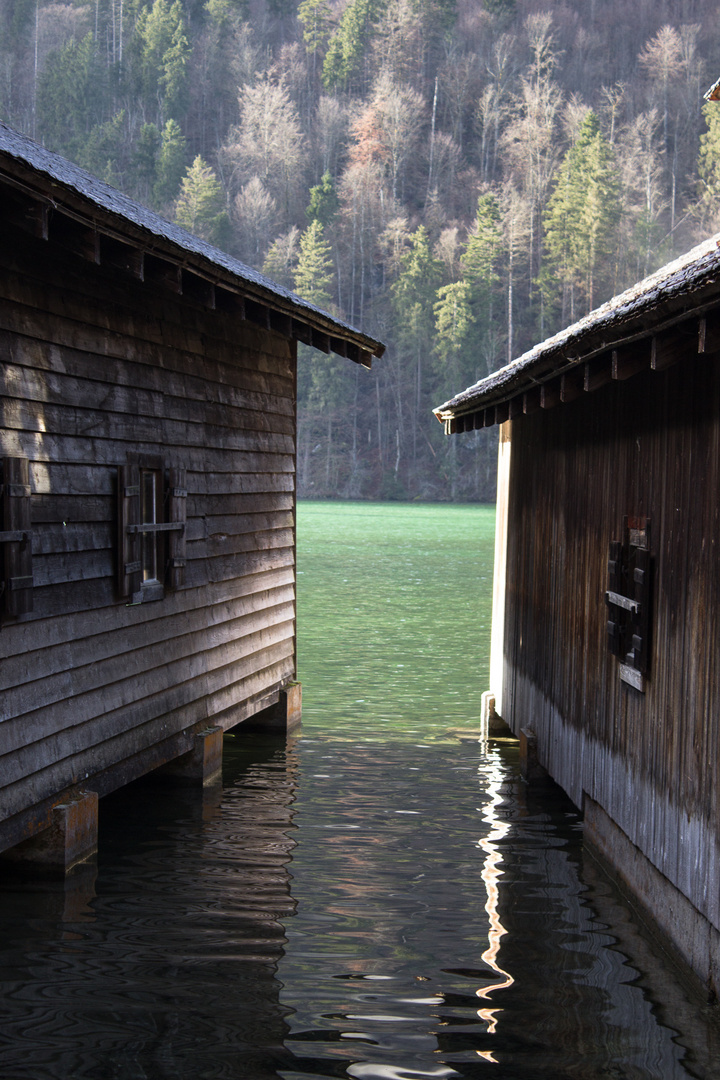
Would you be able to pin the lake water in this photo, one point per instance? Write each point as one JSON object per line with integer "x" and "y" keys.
{"x": 382, "y": 898}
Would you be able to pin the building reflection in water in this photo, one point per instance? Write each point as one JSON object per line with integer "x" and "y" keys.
{"x": 161, "y": 961}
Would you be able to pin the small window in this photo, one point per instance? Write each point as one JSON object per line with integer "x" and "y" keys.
{"x": 151, "y": 528}
{"x": 629, "y": 600}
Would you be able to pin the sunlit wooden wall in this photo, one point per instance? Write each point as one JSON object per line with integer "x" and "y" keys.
{"x": 97, "y": 364}
{"x": 649, "y": 446}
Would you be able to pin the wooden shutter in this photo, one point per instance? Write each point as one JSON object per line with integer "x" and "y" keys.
{"x": 177, "y": 514}
{"x": 643, "y": 595}
{"x": 614, "y": 627}
{"x": 629, "y": 597}
{"x": 129, "y": 565}
{"x": 17, "y": 536}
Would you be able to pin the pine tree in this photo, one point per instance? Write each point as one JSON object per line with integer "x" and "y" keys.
{"x": 413, "y": 296}
{"x": 201, "y": 204}
{"x": 349, "y": 46}
{"x": 144, "y": 162}
{"x": 314, "y": 273}
{"x": 71, "y": 96}
{"x": 170, "y": 164}
{"x": 159, "y": 57}
{"x": 323, "y": 201}
{"x": 709, "y": 157}
{"x": 581, "y": 220}
{"x": 480, "y": 257}
{"x": 453, "y": 327}
{"x": 315, "y": 16}
{"x": 323, "y": 384}
{"x": 102, "y": 151}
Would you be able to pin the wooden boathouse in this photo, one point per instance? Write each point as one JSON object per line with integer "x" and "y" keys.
{"x": 147, "y": 445}
{"x": 606, "y": 606}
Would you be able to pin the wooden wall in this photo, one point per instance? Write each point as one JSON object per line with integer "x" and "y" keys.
{"x": 96, "y": 364}
{"x": 647, "y": 446}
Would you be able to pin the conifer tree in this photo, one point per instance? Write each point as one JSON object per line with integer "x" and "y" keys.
{"x": 480, "y": 257}
{"x": 159, "y": 56}
{"x": 144, "y": 162}
{"x": 170, "y": 164}
{"x": 413, "y": 297}
{"x": 709, "y": 158}
{"x": 349, "y": 46}
{"x": 324, "y": 202}
{"x": 201, "y": 204}
{"x": 581, "y": 219}
{"x": 71, "y": 96}
{"x": 315, "y": 17}
{"x": 453, "y": 326}
{"x": 314, "y": 272}
{"x": 480, "y": 269}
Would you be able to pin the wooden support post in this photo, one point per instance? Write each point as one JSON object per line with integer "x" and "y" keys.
{"x": 70, "y": 839}
{"x": 283, "y": 718}
{"x": 492, "y": 725}
{"x": 201, "y": 765}
{"x": 530, "y": 767}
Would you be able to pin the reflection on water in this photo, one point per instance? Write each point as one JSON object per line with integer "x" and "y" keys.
{"x": 166, "y": 966}
{"x": 457, "y": 936}
{"x": 497, "y": 829}
{"x": 383, "y": 899}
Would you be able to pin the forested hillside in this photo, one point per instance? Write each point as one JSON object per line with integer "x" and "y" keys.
{"x": 457, "y": 177}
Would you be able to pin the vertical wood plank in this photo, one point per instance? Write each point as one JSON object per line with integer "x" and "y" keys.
{"x": 177, "y": 513}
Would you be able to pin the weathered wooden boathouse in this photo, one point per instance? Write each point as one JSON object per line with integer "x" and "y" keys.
{"x": 148, "y": 441}
{"x": 606, "y": 607}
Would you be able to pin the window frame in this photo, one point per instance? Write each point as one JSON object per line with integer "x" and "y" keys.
{"x": 154, "y": 539}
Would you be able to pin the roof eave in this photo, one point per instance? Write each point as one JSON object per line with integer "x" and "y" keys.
{"x": 687, "y": 289}
{"x": 152, "y": 235}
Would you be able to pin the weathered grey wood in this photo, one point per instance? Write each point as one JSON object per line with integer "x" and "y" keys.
{"x": 264, "y": 377}
{"x": 45, "y": 418}
{"x": 170, "y": 733}
{"x": 29, "y": 384}
{"x": 142, "y": 679}
{"x": 224, "y": 383}
{"x": 151, "y": 638}
{"x": 102, "y": 373}
{"x": 21, "y": 651}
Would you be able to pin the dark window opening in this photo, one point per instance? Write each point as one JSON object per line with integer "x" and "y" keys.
{"x": 629, "y": 599}
{"x": 151, "y": 528}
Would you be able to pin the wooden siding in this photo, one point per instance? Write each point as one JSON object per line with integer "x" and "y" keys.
{"x": 648, "y": 446}
{"x": 95, "y": 365}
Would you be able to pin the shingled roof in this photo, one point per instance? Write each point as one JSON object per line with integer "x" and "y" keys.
{"x": 48, "y": 188}
{"x": 644, "y": 327}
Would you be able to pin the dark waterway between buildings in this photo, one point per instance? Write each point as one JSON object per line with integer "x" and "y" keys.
{"x": 383, "y": 898}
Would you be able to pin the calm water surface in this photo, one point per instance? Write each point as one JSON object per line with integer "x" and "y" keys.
{"x": 382, "y": 898}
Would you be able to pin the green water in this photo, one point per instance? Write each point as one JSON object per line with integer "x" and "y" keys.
{"x": 394, "y": 606}
{"x": 382, "y": 898}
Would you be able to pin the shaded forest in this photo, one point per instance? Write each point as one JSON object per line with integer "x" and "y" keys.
{"x": 460, "y": 178}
